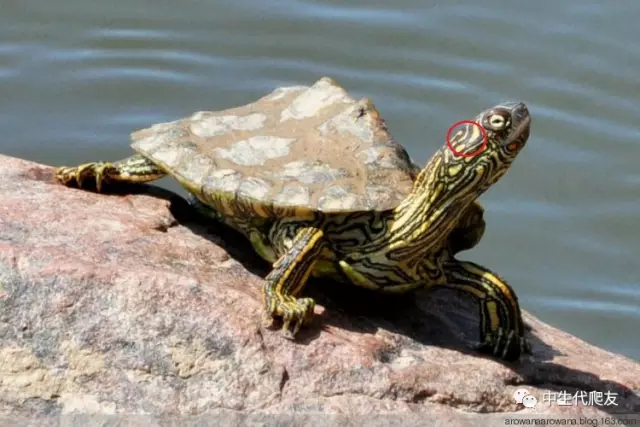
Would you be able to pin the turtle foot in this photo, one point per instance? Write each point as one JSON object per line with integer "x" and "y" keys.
{"x": 505, "y": 345}
{"x": 79, "y": 175}
{"x": 294, "y": 313}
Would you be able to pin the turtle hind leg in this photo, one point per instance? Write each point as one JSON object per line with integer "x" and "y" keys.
{"x": 135, "y": 169}
{"x": 288, "y": 277}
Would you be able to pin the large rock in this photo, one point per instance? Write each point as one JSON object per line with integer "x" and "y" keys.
{"x": 121, "y": 305}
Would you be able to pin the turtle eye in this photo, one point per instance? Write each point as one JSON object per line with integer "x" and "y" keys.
{"x": 497, "y": 120}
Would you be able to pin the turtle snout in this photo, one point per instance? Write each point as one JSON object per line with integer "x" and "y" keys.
{"x": 519, "y": 110}
{"x": 520, "y": 118}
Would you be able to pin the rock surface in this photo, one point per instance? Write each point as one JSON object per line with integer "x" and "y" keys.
{"x": 126, "y": 307}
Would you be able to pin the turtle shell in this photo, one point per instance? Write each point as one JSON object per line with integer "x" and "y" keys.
{"x": 311, "y": 148}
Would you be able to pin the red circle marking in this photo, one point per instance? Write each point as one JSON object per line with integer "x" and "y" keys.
{"x": 485, "y": 138}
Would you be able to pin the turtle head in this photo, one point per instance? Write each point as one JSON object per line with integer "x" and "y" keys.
{"x": 482, "y": 150}
{"x": 474, "y": 158}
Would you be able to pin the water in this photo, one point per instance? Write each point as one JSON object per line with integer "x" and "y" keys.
{"x": 76, "y": 77}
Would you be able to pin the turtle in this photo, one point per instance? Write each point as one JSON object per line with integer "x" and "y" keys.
{"x": 314, "y": 180}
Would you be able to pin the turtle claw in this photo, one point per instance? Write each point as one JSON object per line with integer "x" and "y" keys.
{"x": 504, "y": 345}
{"x": 287, "y": 334}
{"x": 99, "y": 171}
{"x": 295, "y": 313}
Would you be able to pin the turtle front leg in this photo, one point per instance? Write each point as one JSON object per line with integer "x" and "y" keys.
{"x": 469, "y": 229}
{"x": 501, "y": 325}
{"x": 287, "y": 279}
{"x": 134, "y": 169}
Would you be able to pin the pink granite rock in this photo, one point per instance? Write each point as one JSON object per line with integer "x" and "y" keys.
{"x": 129, "y": 306}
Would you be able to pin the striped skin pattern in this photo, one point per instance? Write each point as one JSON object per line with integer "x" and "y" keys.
{"x": 395, "y": 247}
